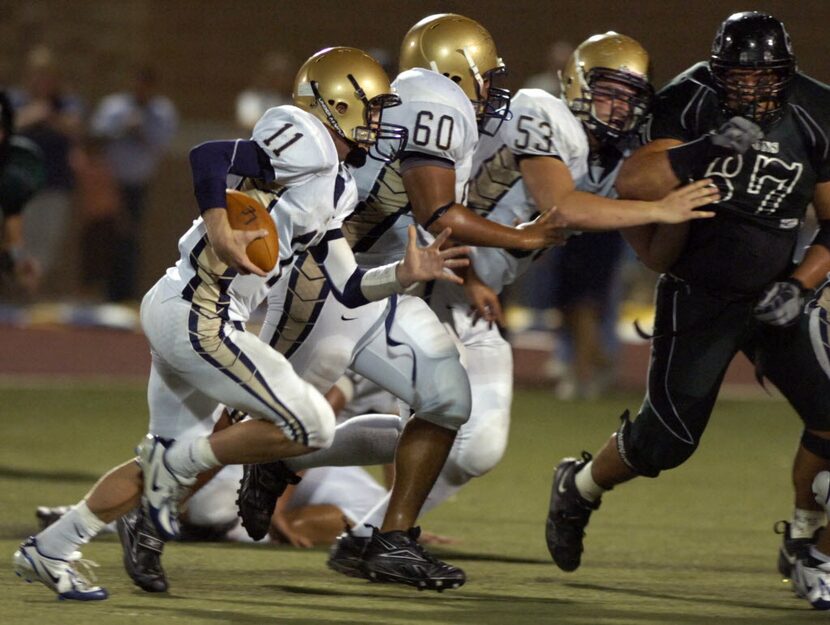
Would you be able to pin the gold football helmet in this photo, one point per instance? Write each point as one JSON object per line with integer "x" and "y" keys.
{"x": 348, "y": 90}
{"x": 614, "y": 70}
{"x": 462, "y": 50}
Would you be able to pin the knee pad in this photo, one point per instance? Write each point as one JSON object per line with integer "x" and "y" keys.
{"x": 481, "y": 457}
{"x": 444, "y": 399}
{"x": 816, "y": 444}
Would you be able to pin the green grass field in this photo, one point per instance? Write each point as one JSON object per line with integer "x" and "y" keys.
{"x": 695, "y": 546}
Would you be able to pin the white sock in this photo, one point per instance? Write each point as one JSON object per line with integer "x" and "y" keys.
{"x": 360, "y": 441}
{"x": 373, "y": 518}
{"x": 75, "y": 528}
{"x": 806, "y": 522}
{"x": 585, "y": 484}
{"x": 191, "y": 458}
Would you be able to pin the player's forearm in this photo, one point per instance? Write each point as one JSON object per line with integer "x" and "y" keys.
{"x": 470, "y": 228}
{"x": 586, "y": 211}
{"x": 646, "y": 176}
{"x": 814, "y": 268}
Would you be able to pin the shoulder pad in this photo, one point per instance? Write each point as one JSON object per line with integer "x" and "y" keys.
{"x": 297, "y": 143}
{"x": 543, "y": 125}
{"x": 438, "y": 115}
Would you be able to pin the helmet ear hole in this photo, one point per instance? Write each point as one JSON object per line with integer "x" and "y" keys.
{"x": 456, "y": 79}
{"x": 341, "y": 108}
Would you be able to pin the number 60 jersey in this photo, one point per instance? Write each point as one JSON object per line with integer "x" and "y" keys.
{"x": 442, "y": 132}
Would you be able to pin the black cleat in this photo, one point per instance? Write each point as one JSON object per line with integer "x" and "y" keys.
{"x": 47, "y": 515}
{"x": 142, "y": 551}
{"x": 568, "y": 515}
{"x": 397, "y": 557}
{"x": 792, "y": 549}
{"x": 259, "y": 489}
{"x": 346, "y": 554}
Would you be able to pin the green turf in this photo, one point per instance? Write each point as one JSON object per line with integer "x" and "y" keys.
{"x": 694, "y": 546}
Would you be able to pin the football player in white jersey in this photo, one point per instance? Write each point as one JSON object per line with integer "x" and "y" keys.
{"x": 447, "y": 62}
{"x": 538, "y": 157}
{"x": 194, "y": 316}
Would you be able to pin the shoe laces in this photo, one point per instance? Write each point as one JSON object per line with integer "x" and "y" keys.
{"x": 82, "y": 568}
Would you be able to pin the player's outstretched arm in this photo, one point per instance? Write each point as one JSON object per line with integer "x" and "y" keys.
{"x": 550, "y": 183}
{"x": 431, "y": 192}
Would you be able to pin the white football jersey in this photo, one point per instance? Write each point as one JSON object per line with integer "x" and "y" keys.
{"x": 541, "y": 125}
{"x": 310, "y": 195}
{"x": 442, "y": 123}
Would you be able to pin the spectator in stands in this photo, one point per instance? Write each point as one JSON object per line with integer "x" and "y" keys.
{"x": 137, "y": 126}
{"x": 50, "y": 117}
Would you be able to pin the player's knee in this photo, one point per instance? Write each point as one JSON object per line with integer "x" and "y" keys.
{"x": 649, "y": 455}
{"x": 484, "y": 449}
{"x": 319, "y": 424}
{"x": 448, "y": 401}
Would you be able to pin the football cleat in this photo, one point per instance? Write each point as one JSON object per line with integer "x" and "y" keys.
{"x": 163, "y": 488}
{"x": 792, "y": 549}
{"x": 60, "y": 575}
{"x": 260, "y": 487}
{"x": 397, "y": 557}
{"x": 142, "y": 549}
{"x": 346, "y": 554}
{"x": 811, "y": 581}
{"x": 568, "y": 515}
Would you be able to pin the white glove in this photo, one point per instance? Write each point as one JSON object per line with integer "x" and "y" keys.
{"x": 781, "y": 304}
{"x": 738, "y": 135}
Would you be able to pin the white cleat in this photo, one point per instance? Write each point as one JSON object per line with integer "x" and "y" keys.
{"x": 163, "y": 488}
{"x": 811, "y": 581}
{"x": 60, "y": 575}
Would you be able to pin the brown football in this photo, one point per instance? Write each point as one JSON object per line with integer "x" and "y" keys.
{"x": 247, "y": 213}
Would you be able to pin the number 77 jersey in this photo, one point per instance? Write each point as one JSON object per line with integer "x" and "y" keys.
{"x": 442, "y": 132}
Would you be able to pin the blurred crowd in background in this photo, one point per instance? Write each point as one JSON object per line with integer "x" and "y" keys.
{"x": 103, "y": 158}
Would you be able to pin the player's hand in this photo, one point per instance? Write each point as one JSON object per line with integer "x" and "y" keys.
{"x": 781, "y": 304}
{"x": 737, "y": 135}
{"x": 230, "y": 245}
{"x": 422, "y": 264}
{"x": 484, "y": 301}
{"x": 547, "y": 230}
{"x": 679, "y": 205}
{"x": 282, "y": 532}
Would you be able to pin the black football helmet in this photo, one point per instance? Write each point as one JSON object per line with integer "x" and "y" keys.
{"x": 752, "y": 64}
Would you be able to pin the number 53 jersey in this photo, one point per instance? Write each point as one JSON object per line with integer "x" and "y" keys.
{"x": 765, "y": 192}
{"x": 443, "y": 132}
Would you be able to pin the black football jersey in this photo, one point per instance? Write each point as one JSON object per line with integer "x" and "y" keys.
{"x": 765, "y": 192}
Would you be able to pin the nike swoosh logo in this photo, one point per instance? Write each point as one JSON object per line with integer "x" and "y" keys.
{"x": 78, "y": 532}
{"x": 560, "y": 488}
{"x": 345, "y": 318}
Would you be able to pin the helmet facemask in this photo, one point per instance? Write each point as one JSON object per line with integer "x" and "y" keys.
{"x": 379, "y": 140}
{"x": 756, "y": 93}
{"x": 612, "y": 104}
